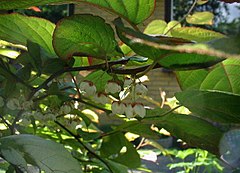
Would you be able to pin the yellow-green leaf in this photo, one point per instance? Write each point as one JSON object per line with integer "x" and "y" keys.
{"x": 201, "y": 18}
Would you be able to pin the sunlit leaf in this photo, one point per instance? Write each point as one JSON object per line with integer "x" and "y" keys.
{"x": 9, "y": 53}
{"x": 84, "y": 39}
{"x": 155, "y": 27}
{"x": 17, "y": 29}
{"x": 201, "y": 18}
{"x": 201, "y": 2}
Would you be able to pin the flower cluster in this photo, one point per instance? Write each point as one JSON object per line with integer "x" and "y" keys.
{"x": 87, "y": 88}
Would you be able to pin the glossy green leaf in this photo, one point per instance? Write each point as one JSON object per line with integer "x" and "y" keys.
{"x": 194, "y": 131}
{"x": 16, "y": 28}
{"x": 201, "y": 18}
{"x": 212, "y": 105}
{"x": 229, "y": 147}
{"x": 196, "y": 34}
{"x": 187, "y": 61}
{"x": 116, "y": 167}
{"x": 223, "y": 77}
{"x": 49, "y": 156}
{"x": 75, "y": 35}
{"x": 134, "y": 11}
{"x": 120, "y": 150}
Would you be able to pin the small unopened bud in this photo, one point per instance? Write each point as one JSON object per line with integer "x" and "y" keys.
{"x": 129, "y": 111}
{"x": 13, "y": 104}
{"x": 139, "y": 109}
{"x": 112, "y": 87}
{"x": 118, "y": 108}
{"x": 140, "y": 89}
{"x": 101, "y": 98}
{"x": 88, "y": 88}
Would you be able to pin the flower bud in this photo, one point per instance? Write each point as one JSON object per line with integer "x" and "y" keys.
{"x": 101, "y": 98}
{"x": 112, "y": 87}
{"x": 13, "y": 104}
{"x": 88, "y": 88}
{"x": 118, "y": 108}
{"x": 140, "y": 89}
{"x": 129, "y": 111}
{"x": 139, "y": 109}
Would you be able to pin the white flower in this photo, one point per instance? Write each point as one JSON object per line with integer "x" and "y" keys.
{"x": 112, "y": 87}
{"x": 13, "y": 104}
{"x": 118, "y": 108}
{"x": 27, "y": 105}
{"x": 129, "y": 111}
{"x": 140, "y": 89}
{"x": 139, "y": 109}
{"x": 65, "y": 109}
{"x": 88, "y": 88}
{"x": 1, "y": 102}
{"x": 101, "y": 98}
{"x": 127, "y": 82}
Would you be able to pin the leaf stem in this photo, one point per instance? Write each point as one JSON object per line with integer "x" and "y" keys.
{"x": 85, "y": 146}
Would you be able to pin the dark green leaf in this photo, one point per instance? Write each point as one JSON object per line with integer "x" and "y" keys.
{"x": 49, "y": 156}
{"x": 34, "y": 51}
{"x": 155, "y": 47}
{"x": 212, "y": 105}
{"x": 116, "y": 167}
{"x": 24, "y": 73}
{"x": 16, "y": 28}
{"x": 229, "y": 147}
{"x": 187, "y": 61}
{"x": 53, "y": 65}
{"x": 84, "y": 35}
{"x": 195, "y": 131}
{"x": 120, "y": 150}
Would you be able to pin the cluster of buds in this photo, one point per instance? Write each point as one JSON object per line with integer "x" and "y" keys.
{"x": 129, "y": 109}
{"x": 18, "y": 104}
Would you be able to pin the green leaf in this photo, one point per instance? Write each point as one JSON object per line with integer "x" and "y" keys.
{"x": 224, "y": 77}
{"x": 16, "y": 28}
{"x": 191, "y": 79}
{"x": 84, "y": 35}
{"x": 212, "y": 105}
{"x": 155, "y": 47}
{"x": 194, "y": 131}
{"x": 201, "y": 2}
{"x": 116, "y": 167}
{"x": 49, "y": 156}
{"x": 9, "y": 53}
{"x": 120, "y": 150}
{"x": 229, "y": 147}
{"x": 155, "y": 27}
{"x": 99, "y": 78}
{"x": 201, "y": 18}
{"x": 188, "y": 61}
{"x": 196, "y": 34}
{"x": 134, "y": 11}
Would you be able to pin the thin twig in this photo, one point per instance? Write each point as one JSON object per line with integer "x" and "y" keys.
{"x": 76, "y": 85}
{"x": 85, "y": 146}
{"x": 6, "y": 123}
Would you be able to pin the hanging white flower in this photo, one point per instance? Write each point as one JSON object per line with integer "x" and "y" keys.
{"x": 141, "y": 89}
{"x": 101, "y": 98}
{"x": 139, "y": 109}
{"x": 13, "y": 104}
{"x": 118, "y": 108}
{"x": 129, "y": 112}
{"x": 112, "y": 87}
{"x": 88, "y": 88}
